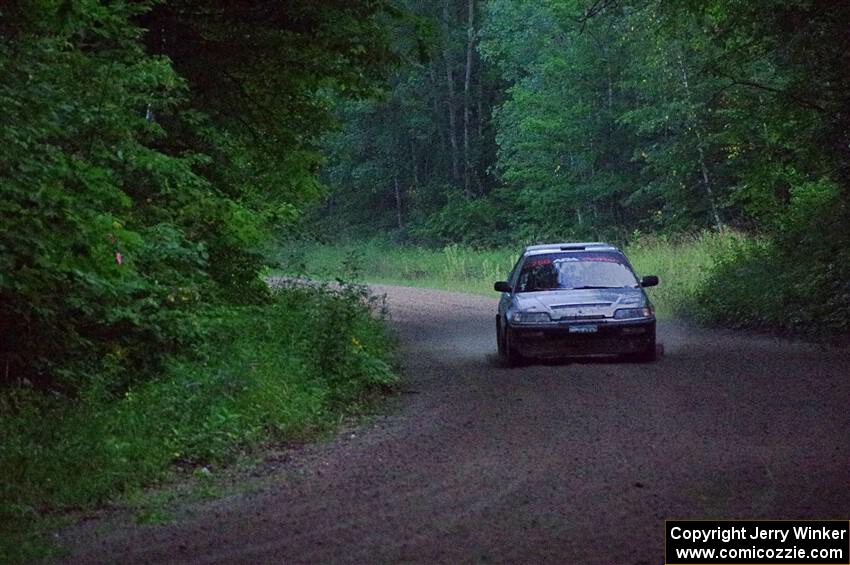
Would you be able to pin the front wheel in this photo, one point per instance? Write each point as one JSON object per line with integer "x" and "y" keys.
{"x": 648, "y": 355}
{"x": 507, "y": 356}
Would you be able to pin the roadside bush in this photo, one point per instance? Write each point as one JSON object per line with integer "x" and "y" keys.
{"x": 278, "y": 372}
{"x": 465, "y": 221}
{"x": 797, "y": 280}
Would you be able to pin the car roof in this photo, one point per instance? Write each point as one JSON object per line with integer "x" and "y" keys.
{"x": 569, "y": 246}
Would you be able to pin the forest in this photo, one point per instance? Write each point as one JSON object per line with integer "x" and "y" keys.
{"x": 157, "y": 155}
{"x": 510, "y": 122}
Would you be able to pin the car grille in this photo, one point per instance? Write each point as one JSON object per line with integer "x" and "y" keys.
{"x": 606, "y": 340}
{"x": 555, "y": 346}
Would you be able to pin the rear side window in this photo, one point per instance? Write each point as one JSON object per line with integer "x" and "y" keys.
{"x": 570, "y": 270}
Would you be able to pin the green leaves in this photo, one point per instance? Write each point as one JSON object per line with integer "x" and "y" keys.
{"x": 76, "y": 133}
{"x": 133, "y": 195}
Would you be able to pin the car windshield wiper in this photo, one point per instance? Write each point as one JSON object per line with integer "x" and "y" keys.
{"x": 587, "y": 287}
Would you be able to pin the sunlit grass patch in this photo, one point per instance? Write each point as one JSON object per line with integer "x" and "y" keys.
{"x": 682, "y": 264}
{"x": 451, "y": 268}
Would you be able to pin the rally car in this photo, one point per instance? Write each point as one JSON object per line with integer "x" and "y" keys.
{"x": 574, "y": 299}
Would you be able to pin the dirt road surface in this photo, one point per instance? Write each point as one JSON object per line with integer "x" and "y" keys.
{"x": 574, "y": 462}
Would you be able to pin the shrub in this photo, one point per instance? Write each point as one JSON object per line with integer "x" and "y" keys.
{"x": 275, "y": 372}
{"x": 796, "y": 280}
{"x": 462, "y": 220}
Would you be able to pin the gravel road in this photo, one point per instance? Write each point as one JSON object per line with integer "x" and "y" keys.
{"x": 574, "y": 462}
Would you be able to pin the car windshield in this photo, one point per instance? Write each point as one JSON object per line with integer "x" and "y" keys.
{"x": 554, "y": 271}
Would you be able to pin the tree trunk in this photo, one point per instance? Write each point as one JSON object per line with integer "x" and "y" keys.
{"x": 706, "y": 180}
{"x": 451, "y": 92}
{"x": 398, "y": 203}
{"x": 480, "y": 108}
{"x": 481, "y": 175}
{"x": 414, "y": 163}
{"x": 470, "y": 43}
{"x": 437, "y": 114}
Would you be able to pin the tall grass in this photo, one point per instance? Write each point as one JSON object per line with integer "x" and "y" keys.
{"x": 451, "y": 268}
{"x": 278, "y": 372}
{"x": 682, "y": 264}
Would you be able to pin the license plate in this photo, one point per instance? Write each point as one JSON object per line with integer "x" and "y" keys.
{"x": 582, "y": 329}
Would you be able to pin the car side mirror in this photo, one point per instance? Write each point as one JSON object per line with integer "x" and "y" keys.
{"x": 649, "y": 280}
{"x": 502, "y": 286}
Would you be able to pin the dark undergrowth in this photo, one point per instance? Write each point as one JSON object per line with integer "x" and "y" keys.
{"x": 281, "y": 372}
{"x": 796, "y": 282}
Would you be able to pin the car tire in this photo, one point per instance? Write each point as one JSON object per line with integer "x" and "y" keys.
{"x": 648, "y": 355}
{"x": 500, "y": 340}
{"x": 508, "y": 357}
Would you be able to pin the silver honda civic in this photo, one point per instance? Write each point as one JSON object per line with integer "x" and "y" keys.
{"x": 567, "y": 299}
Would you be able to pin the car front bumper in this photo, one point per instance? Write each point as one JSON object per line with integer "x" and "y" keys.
{"x": 562, "y": 340}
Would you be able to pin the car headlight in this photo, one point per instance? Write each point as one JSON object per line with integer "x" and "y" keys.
{"x": 631, "y": 313}
{"x": 531, "y": 318}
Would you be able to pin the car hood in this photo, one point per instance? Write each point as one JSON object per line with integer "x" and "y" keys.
{"x": 585, "y": 303}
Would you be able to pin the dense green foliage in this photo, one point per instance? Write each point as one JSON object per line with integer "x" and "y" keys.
{"x": 600, "y": 119}
{"x": 82, "y": 180}
{"x": 282, "y": 371}
{"x": 150, "y": 150}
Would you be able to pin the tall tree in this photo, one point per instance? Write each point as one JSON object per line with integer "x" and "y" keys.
{"x": 470, "y": 47}
{"x": 451, "y": 105}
